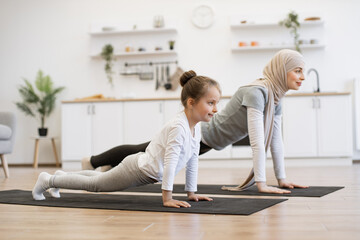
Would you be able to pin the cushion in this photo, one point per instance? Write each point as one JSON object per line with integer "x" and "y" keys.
{"x": 5, "y": 132}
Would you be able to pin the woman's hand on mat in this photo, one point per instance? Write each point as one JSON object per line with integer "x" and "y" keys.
{"x": 193, "y": 197}
{"x": 284, "y": 184}
{"x": 262, "y": 187}
{"x": 169, "y": 202}
{"x": 176, "y": 203}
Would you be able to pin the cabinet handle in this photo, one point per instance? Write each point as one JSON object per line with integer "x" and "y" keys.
{"x": 160, "y": 107}
{"x": 316, "y": 103}
{"x": 88, "y": 110}
{"x": 93, "y": 109}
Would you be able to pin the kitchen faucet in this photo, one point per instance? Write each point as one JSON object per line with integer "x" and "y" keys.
{"x": 317, "y": 78}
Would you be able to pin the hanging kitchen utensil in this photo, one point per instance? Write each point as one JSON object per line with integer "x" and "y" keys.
{"x": 168, "y": 84}
{"x": 157, "y": 78}
{"x": 146, "y": 73}
{"x": 162, "y": 75}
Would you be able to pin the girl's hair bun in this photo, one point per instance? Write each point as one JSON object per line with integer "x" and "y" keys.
{"x": 186, "y": 77}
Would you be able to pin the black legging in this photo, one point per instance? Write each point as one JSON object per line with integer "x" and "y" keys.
{"x": 115, "y": 155}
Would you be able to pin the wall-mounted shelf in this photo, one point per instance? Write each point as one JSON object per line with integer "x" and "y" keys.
{"x": 277, "y": 47}
{"x": 136, "y": 31}
{"x": 273, "y": 24}
{"x": 148, "y": 53}
{"x": 272, "y": 36}
{"x": 123, "y": 38}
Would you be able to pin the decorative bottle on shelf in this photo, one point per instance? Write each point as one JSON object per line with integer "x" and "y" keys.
{"x": 159, "y": 21}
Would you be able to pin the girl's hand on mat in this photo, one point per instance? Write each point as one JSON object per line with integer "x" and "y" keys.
{"x": 169, "y": 202}
{"x": 262, "y": 187}
{"x": 176, "y": 203}
{"x": 193, "y": 197}
{"x": 284, "y": 184}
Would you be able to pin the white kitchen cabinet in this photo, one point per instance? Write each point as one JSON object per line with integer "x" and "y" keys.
{"x": 75, "y": 131}
{"x": 142, "y": 120}
{"x": 107, "y": 126}
{"x": 299, "y": 127}
{"x": 89, "y": 129}
{"x": 335, "y": 126}
{"x": 317, "y": 126}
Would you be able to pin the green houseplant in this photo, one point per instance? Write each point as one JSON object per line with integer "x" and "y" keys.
{"x": 107, "y": 54}
{"x": 41, "y": 103}
{"x": 293, "y": 24}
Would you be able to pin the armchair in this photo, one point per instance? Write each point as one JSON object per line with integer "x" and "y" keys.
{"x": 7, "y": 137}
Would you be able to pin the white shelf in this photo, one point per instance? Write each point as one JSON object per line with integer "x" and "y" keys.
{"x": 276, "y": 47}
{"x": 136, "y": 31}
{"x": 262, "y": 25}
{"x": 148, "y": 53}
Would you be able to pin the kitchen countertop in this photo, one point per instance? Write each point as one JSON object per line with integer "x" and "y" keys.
{"x": 317, "y": 94}
{"x": 126, "y": 99}
{"x": 175, "y": 98}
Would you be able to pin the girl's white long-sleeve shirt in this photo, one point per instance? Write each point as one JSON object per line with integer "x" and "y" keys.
{"x": 170, "y": 151}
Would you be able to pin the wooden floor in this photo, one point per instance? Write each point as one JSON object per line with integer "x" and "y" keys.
{"x": 335, "y": 216}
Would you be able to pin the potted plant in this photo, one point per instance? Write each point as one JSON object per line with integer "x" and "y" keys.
{"x": 108, "y": 55}
{"x": 41, "y": 103}
{"x": 293, "y": 24}
{"x": 171, "y": 44}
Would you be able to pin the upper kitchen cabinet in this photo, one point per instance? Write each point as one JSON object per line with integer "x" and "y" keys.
{"x": 131, "y": 40}
{"x": 317, "y": 125}
{"x": 249, "y": 35}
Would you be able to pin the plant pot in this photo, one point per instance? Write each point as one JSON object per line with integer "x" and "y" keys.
{"x": 42, "y": 132}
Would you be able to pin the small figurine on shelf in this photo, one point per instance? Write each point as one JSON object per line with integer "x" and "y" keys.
{"x": 171, "y": 44}
{"x": 254, "y": 43}
{"x": 242, "y": 44}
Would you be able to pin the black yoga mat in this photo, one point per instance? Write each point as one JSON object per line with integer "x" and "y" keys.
{"x": 233, "y": 206}
{"x": 313, "y": 191}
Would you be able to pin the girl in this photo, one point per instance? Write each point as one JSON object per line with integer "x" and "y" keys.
{"x": 175, "y": 147}
{"x": 254, "y": 111}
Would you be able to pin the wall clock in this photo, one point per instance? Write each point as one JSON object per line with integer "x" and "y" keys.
{"x": 203, "y": 16}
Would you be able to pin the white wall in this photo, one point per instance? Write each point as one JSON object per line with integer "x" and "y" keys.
{"x": 52, "y": 35}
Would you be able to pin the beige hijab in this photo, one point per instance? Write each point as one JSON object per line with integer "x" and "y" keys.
{"x": 275, "y": 81}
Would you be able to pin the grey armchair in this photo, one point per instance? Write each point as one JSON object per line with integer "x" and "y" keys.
{"x": 7, "y": 137}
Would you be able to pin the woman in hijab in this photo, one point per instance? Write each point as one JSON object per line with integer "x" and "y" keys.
{"x": 254, "y": 111}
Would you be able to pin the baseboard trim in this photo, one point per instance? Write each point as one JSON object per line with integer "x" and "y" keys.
{"x": 289, "y": 162}
{"x": 31, "y": 165}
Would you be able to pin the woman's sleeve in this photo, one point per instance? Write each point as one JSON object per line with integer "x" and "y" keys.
{"x": 172, "y": 152}
{"x": 277, "y": 149}
{"x": 255, "y": 120}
